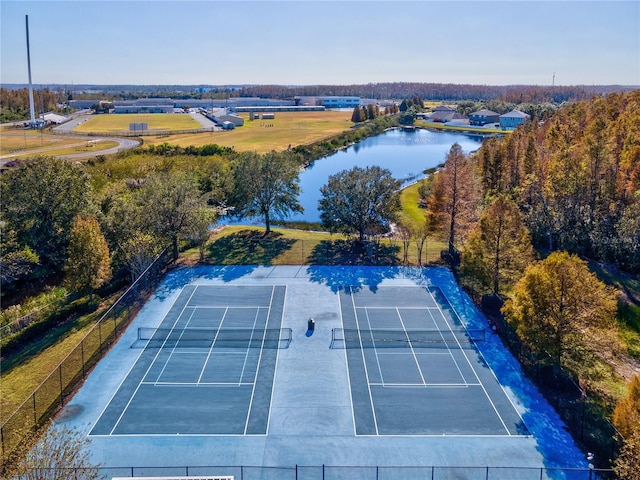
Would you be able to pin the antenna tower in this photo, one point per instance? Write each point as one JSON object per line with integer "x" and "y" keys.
{"x": 31, "y": 108}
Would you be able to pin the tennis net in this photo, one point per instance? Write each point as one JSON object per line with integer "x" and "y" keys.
{"x": 355, "y": 338}
{"x": 218, "y": 337}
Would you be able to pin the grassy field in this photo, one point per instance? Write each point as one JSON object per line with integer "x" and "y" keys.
{"x": 440, "y": 126}
{"x": 411, "y": 211}
{"x": 120, "y": 122}
{"x": 287, "y": 129}
{"x": 14, "y": 142}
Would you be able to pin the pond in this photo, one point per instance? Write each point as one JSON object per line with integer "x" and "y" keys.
{"x": 406, "y": 153}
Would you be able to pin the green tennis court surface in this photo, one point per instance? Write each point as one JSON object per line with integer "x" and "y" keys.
{"x": 414, "y": 368}
{"x": 208, "y": 368}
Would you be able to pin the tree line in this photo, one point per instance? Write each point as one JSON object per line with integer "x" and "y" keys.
{"x": 524, "y": 213}
{"x": 14, "y": 103}
{"x": 436, "y": 91}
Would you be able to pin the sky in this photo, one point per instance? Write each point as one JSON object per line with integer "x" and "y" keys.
{"x": 305, "y": 42}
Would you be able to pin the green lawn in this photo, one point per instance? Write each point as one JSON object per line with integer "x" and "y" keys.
{"x": 120, "y": 122}
{"x": 411, "y": 211}
{"x": 287, "y": 129}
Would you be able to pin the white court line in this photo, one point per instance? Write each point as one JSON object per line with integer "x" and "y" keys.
{"x": 495, "y": 409}
{"x": 253, "y": 390}
{"x": 115, "y": 425}
{"x": 415, "y": 359}
{"x": 455, "y": 362}
{"x": 206, "y": 360}
{"x": 275, "y": 367}
{"x": 460, "y": 385}
{"x": 246, "y": 355}
{"x": 346, "y": 368}
{"x": 195, "y": 384}
{"x": 116, "y": 390}
{"x": 375, "y": 350}
{"x": 173, "y": 350}
{"x": 364, "y": 363}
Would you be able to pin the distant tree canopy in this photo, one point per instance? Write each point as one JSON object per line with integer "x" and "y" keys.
{"x": 360, "y": 200}
{"x": 576, "y": 178}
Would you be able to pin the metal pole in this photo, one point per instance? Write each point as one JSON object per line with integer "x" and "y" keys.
{"x": 61, "y": 388}
{"x": 31, "y": 108}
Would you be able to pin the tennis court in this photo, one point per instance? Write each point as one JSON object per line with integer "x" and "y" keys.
{"x": 207, "y": 369}
{"x": 219, "y": 368}
{"x": 415, "y": 370}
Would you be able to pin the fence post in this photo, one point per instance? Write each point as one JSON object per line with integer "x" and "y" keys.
{"x": 296, "y": 471}
{"x": 35, "y": 413}
{"x": 61, "y": 388}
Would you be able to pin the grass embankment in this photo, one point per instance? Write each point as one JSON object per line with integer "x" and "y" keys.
{"x": 155, "y": 121}
{"x": 28, "y": 367}
{"x": 287, "y": 129}
{"x": 410, "y": 199}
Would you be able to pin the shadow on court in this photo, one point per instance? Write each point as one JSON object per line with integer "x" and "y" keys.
{"x": 337, "y": 278}
{"x": 354, "y": 252}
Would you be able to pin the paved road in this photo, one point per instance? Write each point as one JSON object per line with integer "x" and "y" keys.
{"x": 123, "y": 143}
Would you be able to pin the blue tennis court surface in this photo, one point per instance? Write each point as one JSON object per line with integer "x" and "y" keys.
{"x": 207, "y": 369}
{"x": 415, "y": 371}
{"x": 219, "y": 368}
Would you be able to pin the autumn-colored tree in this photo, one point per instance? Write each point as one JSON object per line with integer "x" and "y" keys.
{"x": 627, "y": 464}
{"x": 498, "y": 248}
{"x": 421, "y": 232}
{"x": 455, "y": 196}
{"x": 88, "y": 265}
{"x": 626, "y": 416}
{"x": 561, "y": 308}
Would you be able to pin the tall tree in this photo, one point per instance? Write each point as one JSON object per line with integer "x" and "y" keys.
{"x": 626, "y": 416}
{"x": 140, "y": 250}
{"x": 558, "y": 306}
{"x": 88, "y": 264}
{"x": 498, "y": 248}
{"x": 360, "y": 200}
{"x": 169, "y": 201}
{"x": 45, "y": 196}
{"x": 267, "y": 185}
{"x": 455, "y": 196}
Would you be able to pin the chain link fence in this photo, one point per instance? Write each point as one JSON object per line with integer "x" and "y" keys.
{"x": 330, "y": 472}
{"x": 50, "y": 395}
